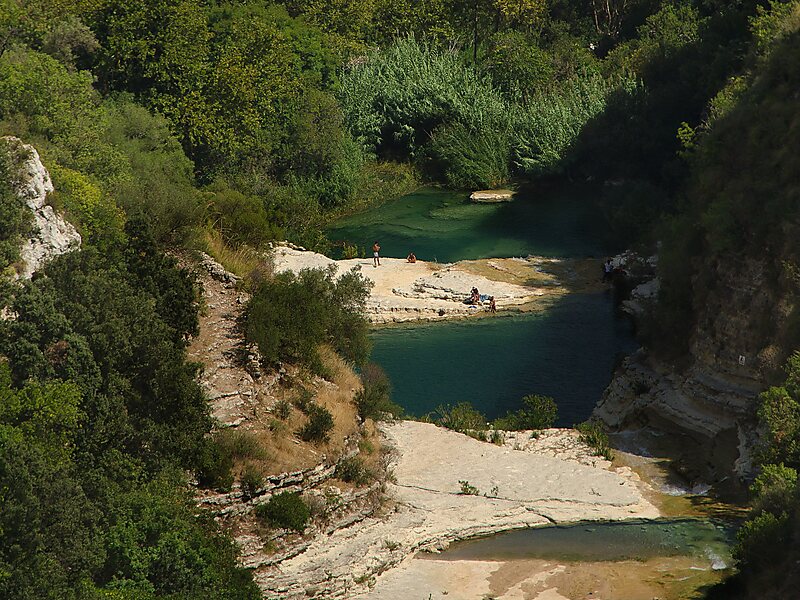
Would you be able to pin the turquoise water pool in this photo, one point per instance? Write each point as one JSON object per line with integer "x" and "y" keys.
{"x": 444, "y": 226}
{"x": 567, "y": 352}
{"x": 708, "y": 541}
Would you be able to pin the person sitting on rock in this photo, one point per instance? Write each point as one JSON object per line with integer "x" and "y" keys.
{"x": 475, "y": 296}
{"x": 412, "y": 258}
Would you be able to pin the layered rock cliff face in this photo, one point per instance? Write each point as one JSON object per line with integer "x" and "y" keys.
{"x": 707, "y": 404}
{"x": 52, "y": 235}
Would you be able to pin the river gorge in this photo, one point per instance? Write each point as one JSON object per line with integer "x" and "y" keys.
{"x": 566, "y": 348}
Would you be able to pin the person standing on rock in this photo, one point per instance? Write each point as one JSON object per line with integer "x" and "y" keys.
{"x": 608, "y": 271}
{"x": 376, "y": 256}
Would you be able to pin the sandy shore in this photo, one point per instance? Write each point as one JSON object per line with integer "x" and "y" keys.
{"x": 523, "y": 483}
{"x": 430, "y": 291}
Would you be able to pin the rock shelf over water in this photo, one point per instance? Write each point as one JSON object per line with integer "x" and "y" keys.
{"x": 524, "y": 483}
{"x": 403, "y": 291}
{"x": 490, "y": 196}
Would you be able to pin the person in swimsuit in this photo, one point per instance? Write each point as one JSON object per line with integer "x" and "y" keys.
{"x": 412, "y": 258}
{"x": 376, "y": 257}
{"x": 492, "y": 305}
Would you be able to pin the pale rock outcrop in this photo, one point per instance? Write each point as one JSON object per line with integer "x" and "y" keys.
{"x": 420, "y": 291}
{"x": 52, "y": 235}
{"x": 492, "y": 196}
{"x": 524, "y": 483}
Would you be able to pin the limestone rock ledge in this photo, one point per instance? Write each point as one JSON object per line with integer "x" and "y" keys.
{"x": 422, "y": 291}
{"x": 709, "y": 416}
{"x": 52, "y": 235}
{"x": 523, "y": 483}
{"x": 492, "y": 196}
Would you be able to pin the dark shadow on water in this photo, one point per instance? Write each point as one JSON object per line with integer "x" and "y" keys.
{"x": 567, "y": 352}
{"x": 556, "y": 220}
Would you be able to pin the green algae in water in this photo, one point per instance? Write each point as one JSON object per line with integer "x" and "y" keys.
{"x": 594, "y": 542}
{"x": 567, "y": 352}
{"x": 444, "y": 226}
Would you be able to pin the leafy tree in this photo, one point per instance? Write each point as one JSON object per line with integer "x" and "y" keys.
{"x": 538, "y": 412}
{"x": 15, "y": 217}
{"x": 289, "y": 316}
{"x": 58, "y": 110}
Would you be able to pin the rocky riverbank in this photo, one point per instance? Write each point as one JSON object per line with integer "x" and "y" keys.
{"x": 420, "y": 291}
{"x": 442, "y": 486}
{"x": 447, "y": 487}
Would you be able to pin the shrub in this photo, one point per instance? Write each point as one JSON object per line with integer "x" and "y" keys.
{"x": 251, "y": 481}
{"x": 289, "y": 316}
{"x": 462, "y": 417}
{"x": 240, "y": 219}
{"x": 352, "y": 470}
{"x": 282, "y": 409}
{"x": 496, "y": 437}
{"x": 762, "y": 540}
{"x": 467, "y": 489}
{"x": 779, "y": 416}
{"x": 239, "y": 444}
{"x": 594, "y": 435}
{"x": 214, "y": 467}
{"x": 373, "y": 400}
{"x": 774, "y": 489}
{"x": 100, "y": 220}
{"x": 538, "y": 412}
{"x": 318, "y": 426}
{"x": 303, "y": 399}
{"x": 286, "y": 510}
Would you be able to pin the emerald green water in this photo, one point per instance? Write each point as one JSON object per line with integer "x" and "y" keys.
{"x": 707, "y": 541}
{"x": 444, "y": 226}
{"x": 566, "y": 352}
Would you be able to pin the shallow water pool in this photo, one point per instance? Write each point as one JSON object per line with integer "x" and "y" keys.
{"x": 708, "y": 541}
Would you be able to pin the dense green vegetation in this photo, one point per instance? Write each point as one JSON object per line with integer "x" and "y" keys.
{"x": 100, "y": 420}
{"x": 290, "y": 315}
{"x": 537, "y": 412}
{"x": 221, "y": 126}
{"x": 15, "y": 220}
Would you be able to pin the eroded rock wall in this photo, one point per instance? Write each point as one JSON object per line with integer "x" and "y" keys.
{"x": 52, "y": 234}
{"x": 707, "y": 399}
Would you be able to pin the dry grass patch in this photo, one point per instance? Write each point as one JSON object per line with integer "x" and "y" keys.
{"x": 284, "y": 450}
{"x": 241, "y": 261}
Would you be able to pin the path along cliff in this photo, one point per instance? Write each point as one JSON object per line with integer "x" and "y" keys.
{"x": 358, "y": 533}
